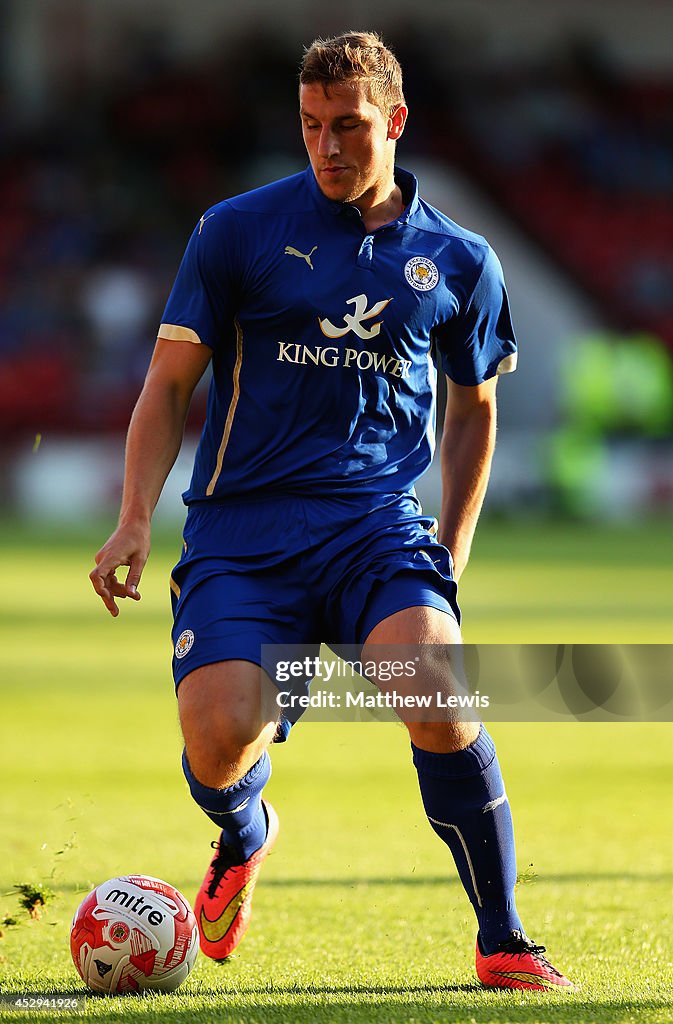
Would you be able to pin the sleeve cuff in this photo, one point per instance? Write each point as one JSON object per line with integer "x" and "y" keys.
{"x": 174, "y": 332}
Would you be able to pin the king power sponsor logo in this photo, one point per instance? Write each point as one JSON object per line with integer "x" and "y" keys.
{"x": 351, "y": 358}
{"x": 332, "y": 356}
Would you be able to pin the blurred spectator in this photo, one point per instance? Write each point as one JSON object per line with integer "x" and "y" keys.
{"x": 117, "y": 303}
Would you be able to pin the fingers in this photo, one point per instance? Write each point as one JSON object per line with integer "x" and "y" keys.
{"x": 133, "y": 578}
{"x": 106, "y": 585}
{"x": 128, "y": 545}
{"x": 104, "y": 581}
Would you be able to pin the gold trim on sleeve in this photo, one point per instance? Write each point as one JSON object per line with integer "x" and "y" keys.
{"x": 174, "y": 587}
{"x": 232, "y": 409}
{"x": 507, "y": 365}
{"x": 174, "y": 332}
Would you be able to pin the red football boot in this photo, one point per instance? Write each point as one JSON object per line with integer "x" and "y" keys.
{"x": 223, "y": 905}
{"x": 518, "y": 963}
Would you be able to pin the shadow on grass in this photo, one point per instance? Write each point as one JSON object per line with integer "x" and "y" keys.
{"x": 358, "y": 1003}
{"x": 571, "y": 878}
{"x": 401, "y": 1012}
{"x": 411, "y": 880}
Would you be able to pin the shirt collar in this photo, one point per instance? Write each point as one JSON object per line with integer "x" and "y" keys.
{"x": 405, "y": 179}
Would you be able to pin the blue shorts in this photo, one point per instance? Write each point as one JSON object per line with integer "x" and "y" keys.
{"x": 295, "y": 570}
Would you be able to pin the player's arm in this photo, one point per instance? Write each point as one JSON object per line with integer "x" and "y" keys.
{"x": 466, "y": 452}
{"x": 152, "y": 445}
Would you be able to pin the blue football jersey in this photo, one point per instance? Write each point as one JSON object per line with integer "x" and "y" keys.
{"x": 322, "y": 337}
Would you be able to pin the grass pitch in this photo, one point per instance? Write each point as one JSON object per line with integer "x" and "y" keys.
{"x": 359, "y": 915}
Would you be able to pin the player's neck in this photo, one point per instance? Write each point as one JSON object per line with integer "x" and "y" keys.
{"x": 383, "y": 207}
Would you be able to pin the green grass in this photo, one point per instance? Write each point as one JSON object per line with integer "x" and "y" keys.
{"x": 359, "y": 916}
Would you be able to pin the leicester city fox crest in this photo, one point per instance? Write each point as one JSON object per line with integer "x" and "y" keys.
{"x": 421, "y": 273}
{"x": 184, "y": 643}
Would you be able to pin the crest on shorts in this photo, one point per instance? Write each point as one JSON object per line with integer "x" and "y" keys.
{"x": 421, "y": 273}
{"x": 184, "y": 643}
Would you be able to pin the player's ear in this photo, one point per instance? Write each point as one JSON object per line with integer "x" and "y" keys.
{"x": 397, "y": 121}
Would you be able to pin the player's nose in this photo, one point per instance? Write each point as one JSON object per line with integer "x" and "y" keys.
{"x": 328, "y": 146}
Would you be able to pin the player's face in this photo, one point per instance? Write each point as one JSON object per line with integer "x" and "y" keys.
{"x": 350, "y": 142}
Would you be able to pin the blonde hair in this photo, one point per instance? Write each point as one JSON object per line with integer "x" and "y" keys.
{"x": 359, "y": 57}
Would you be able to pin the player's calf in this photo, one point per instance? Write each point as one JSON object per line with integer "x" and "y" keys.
{"x": 466, "y": 804}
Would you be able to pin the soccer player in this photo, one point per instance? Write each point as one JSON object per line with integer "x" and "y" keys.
{"x": 318, "y": 299}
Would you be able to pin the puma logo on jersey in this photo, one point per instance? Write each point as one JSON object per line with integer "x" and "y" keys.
{"x": 354, "y": 321}
{"x": 291, "y": 251}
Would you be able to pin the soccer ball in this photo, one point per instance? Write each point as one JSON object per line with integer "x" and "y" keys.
{"x": 132, "y": 933}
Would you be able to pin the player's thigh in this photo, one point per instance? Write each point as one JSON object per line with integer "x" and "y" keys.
{"x": 425, "y": 638}
{"x": 427, "y": 642}
{"x": 398, "y": 600}
{"x": 424, "y": 624}
{"x": 228, "y": 715}
{"x": 389, "y": 561}
{"x": 224, "y": 621}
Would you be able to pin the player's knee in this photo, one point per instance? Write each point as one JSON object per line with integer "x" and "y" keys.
{"x": 220, "y": 757}
{"x": 443, "y": 737}
{"x": 225, "y": 724}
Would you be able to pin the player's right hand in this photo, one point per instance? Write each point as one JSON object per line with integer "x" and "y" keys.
{"x": 128, "y": 545}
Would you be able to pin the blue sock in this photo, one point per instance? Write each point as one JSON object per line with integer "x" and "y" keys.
{"x": 238, "y": 809}
{"x": 465, "y": 801}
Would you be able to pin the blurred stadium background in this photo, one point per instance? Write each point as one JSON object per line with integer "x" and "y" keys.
{"x": 547, "y": 127}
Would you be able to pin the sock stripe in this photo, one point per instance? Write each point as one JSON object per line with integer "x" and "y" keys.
{"x": 241, "y": 807}
{"x": 237, "y": 810}
{"x": 445, "y": 824}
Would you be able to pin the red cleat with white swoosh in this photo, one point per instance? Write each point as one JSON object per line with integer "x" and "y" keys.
{"x": 223, "y": 905}
{"x": 519, "y": 963}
